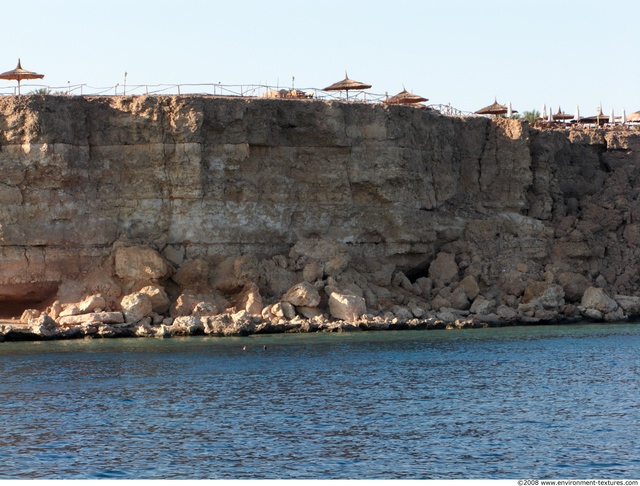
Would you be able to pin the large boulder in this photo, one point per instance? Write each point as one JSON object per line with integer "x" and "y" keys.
{"x": 159, "y": 300}
{"x": 44, "y": 326}
{"x": 443, "y": 269}
{"x": 250, "y": 300}
{"x": 288, "y": 309}
{"x": 192, "y": 274}
{"x": 574, "y": 285}
{"x": 595, "y": 298}
{"x": 346, "y": 307}
{"x": 552, "y": 297}
{"x": 470, "y": 287}
{"x": 188, "y": 325}
{"x": 459, "y": 299}
{"x": 278, "y": 279}
{"x": 403, "y": 314}
{"x": 512, "y": 282}
{"x": 547, "y": 295}
{"x": 425, "y": 285}
{"x": 136, "y": 306}
{"x": 139, "y": 263}
{"x": 184, "y": 305}
{"x": 482, "y": 306}
{"x": 102, "y": 317}
{"x": 629, "y": 303}
{"x": 303, "y": 294}
{"x": 313, "y": 271}
{"x": 238, "y": 324}
{"x": 29, "y": 315}
{"x": 337, "y": 264}
{"x": 204, "y": 309}
{"x": 246, "y": 269}
{"x": 92, "y": 303}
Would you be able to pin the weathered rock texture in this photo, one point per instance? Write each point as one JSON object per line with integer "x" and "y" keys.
{"x": 227, "y": 204}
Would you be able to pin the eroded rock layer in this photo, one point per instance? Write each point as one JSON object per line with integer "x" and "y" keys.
{"x": 230, "y": 203}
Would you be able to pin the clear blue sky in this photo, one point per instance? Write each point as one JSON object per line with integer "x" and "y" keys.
{"x": 463, "y": 52}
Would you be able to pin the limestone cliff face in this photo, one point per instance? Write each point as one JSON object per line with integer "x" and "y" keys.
{"x": 208, "y": 179}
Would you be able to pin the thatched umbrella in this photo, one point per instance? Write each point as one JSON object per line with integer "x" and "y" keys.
{"x": 346, "y": 85}
{"x": 562, "y": 116}
{"x": 19, "y": 74}
{"x": 405, "y": 98}
{"x": 494, "y": 109}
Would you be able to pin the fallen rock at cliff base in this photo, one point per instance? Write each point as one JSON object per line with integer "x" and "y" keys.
{"x": 443, "y": 270}
{"x": 302, "y": 294}
{"x": 483, "y": 306}
{"x": 470, "y": 287}
{"x": 102, "y": 317}
{"x": 574, "y": 285}
{"x": 160, "y": 302}
{"x": 346, "y": 307}
{"x": 29, "y": 315}
{"x": 595, "y": 298}
{"x": 139, "y": 263}
{"x": 186, "y": 326}
{"x": 136, "y": 306}
{"x": 184, "y": 304}
{"x": 629, "y": 303}
{"x": 192, "y": 274}
{"x": 44, "y": 326}
{"x": 250, "y": 300}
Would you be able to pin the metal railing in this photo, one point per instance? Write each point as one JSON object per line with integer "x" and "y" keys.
{"x": 255, "y": 91}
{"x": 215, "y": 89}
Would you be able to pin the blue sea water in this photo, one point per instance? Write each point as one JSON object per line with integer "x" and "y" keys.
{"x": 524, "y": 402}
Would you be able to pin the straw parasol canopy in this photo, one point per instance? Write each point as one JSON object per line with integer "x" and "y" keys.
{"x": 346, "y": 85}
{"x": 562, "y": 116}
{"x": 405, "y": 98}
{"x": 18, "y": 74}
{"x": 494, "y": 109}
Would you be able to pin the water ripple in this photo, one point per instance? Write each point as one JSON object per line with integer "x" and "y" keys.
{"x": 489, "y": 403}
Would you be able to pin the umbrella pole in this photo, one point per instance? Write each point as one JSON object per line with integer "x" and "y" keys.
{"x": 18, "y": 87}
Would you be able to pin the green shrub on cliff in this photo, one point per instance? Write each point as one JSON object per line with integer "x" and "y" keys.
{"x": 531, "y": 116}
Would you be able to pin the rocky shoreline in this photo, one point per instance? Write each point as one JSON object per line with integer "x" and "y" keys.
{"x": 34, "y": 326}
{"x": 45, "y": 329}
{"x": 332, "y": 297}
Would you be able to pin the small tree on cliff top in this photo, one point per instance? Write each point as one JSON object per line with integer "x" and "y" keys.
{"x": 532, "y": 116}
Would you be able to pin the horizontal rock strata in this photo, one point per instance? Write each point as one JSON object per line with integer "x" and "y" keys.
{"x": 157, "y": 216}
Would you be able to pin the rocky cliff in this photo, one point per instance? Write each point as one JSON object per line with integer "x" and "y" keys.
{"x": 415, "y": 213}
